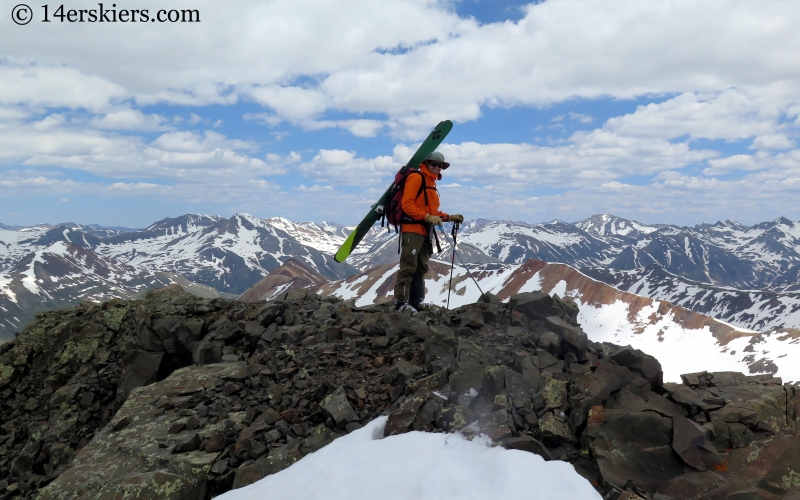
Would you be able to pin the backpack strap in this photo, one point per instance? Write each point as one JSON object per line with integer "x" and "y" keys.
{"x": 423, "y": 189}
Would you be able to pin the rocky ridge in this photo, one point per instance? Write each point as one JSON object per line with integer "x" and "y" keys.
{"x": 176, "y": 396}
{"x": 687, "y": 341}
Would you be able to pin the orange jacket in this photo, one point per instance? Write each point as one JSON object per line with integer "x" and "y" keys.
{"x": 414, "y": 206}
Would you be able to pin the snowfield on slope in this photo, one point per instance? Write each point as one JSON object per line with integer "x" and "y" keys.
{"x": 424, "y": 466}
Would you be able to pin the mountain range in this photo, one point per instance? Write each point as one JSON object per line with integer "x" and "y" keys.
{"x": 744, "y": 275}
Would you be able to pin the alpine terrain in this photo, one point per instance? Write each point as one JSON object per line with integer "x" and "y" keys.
{"x": 746, "y": 276}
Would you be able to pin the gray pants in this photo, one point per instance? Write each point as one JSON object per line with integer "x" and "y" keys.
{"x": 415, "y": 251}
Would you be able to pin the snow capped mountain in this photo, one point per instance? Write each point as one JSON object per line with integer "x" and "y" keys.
{"x": 16, "y": 243}
{"x": 727, "y": 253}
{"x": 184, "y": 224}
{"x": 62, "y": 275}
{"x": 227, "y": 254}
{"x": 685, "y": 255}
{"x": 685, "y": 341}
{"x": 517, "y": 242}
{"x": 610, "y": 225}
{"x": 326, "y": 237}
{"x": 751, "y": 309}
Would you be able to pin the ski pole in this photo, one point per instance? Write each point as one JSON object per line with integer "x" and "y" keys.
{"x": 452, "y": 264}
{"x": 462, "y": 261}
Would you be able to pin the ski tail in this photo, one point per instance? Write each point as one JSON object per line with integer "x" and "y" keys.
{"x": 346, "y": 248}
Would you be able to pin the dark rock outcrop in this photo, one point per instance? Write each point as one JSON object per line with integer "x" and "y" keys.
{"x": 121, "y": 399}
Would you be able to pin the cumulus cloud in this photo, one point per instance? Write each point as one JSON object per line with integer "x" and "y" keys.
{"x": 54, "y": 86}
{"x": 185, "y": 141}
{"x": 344, "y": 168}
{"x": 687, "y": 199}
{"x": 359, "y": 128}
{"x": 773, "y": 141}
{"x": 587, "y": 159}
{"x": 131, "y": 119}
{"x": 196, "y": 157}
{"x": 730, "y": 115}
{"x": 302, "y": 58}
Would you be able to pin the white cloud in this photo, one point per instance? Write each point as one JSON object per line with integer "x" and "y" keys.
{"x": 343, "y": 168}
{"x": 359, "y": 128}
{"x": 131, "y": 119}
{"x": 583, "y": 118}
{"x": 589, "y": 159}
{"x": 194, "y": 119}
{"x": 773, "y": 141}
{"x": 263, "y": 118}
{"x": 54, "y": 86}
{"x": 730, "y": 115}
{"x": 50, "y": 122}
{"x": 194, "y": 157}
{"x": 193, "y": 142}
{"x": 301, "y": 58}
{"x": 12, "y": 114}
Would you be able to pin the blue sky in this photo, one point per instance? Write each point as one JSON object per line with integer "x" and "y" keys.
{"x": 668, "y": 111}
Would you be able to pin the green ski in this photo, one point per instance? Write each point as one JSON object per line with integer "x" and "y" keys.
{"x": 428, "y": 146}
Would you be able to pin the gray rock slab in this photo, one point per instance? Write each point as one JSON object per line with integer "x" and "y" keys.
{"x": 113, "y": 460}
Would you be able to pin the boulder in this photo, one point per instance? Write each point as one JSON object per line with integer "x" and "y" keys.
{"x": 157, "y": 484}
{"x": 555, "y": 428}
{"x": 440, "y": 348}
{"x": 207, "y": 352}
{"x": 644, "y": 364}
{"x": 432, "y": 382}
{"x": 401, "y": 372}
{"x": 337, "y": 407}
{"x": 401, "y": 420}
{"x": 534, "y": 305}
{"x": 26, "y": 457}
{"x": 277, "y": 460}
{"x": 140, "y": 369}
{"x": 595, "y": 387}
{"x": 691, "y": 442}
{"x": 488, "y": 380}
{"x": 519, "y": 388}
{"x": 633, "y": 446}
{"x": 573, "y": 339}
{"x": 529, "y": 444}
{"x": 319, "y": 437}
{"x": 177, "y": 334}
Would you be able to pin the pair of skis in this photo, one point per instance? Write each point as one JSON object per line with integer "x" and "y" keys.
{"x": 427, "y": 147}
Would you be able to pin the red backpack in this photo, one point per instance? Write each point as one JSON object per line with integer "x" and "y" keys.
{"x": 393, "y": 212}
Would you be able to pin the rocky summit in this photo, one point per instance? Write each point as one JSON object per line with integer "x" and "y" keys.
{"x": 180, "y": 397}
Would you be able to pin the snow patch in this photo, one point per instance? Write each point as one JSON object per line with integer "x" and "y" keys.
{"x": 418, "y": 465}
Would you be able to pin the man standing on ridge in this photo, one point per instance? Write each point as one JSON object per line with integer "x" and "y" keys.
{"x": 421, "y": 209}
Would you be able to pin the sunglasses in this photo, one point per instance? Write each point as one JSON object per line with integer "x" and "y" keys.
{"x": 435, "y": 164}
